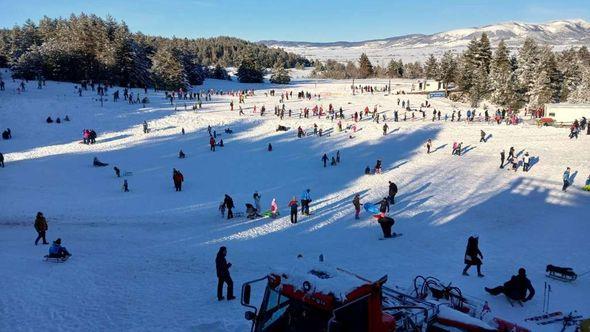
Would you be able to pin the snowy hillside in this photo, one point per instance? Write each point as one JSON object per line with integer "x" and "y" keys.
{"x": 560, "y": 34}
{"x": 144, "y": 260}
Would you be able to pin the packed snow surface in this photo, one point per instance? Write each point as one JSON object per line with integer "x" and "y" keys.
{"x": 144, "y": 260}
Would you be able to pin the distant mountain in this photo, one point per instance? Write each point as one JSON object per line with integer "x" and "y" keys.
{"x": 559, "y": 34}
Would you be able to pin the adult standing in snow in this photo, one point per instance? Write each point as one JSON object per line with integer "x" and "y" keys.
{"x": 256, "y": 197}
{"x": 566, "y": 179}
{"x": 473, "y": 256}
{"x": 482, "y": 136}
{"x": 516, "y": 288}
{"x": 392, "y": 192}
{"x": 145, "y": 127}
{"x": 356, "y": 201}
{"x": 385, "y": 127}
{"x": 223, "y": 276}
{"x": 526, "y": 162}
{"x": 41, "y": 228}
{"x": 229, "y": 205}
{"x": 325, "y": 159}
{"x": 212, "y": 143}
{"x": 178, "y": 178}
{"x": 428, "y": 146}
{"x": 511, "y": 153}
{"x": 502, "y": 158}
{"x": 305, "y": 200}
{"x": 294, "y": 208}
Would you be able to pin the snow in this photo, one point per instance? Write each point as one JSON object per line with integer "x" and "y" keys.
{"x": 144, "y": 260}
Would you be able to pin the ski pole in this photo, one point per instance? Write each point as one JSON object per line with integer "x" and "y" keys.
{"x": 544, "y": 296}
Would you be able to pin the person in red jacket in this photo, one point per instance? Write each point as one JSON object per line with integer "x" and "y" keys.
{"x": 178, "y": 179}
{"x": 212, "y": 143}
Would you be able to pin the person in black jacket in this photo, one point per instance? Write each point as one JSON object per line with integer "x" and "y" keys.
{"x": 392, "y": 192}
{"x": 516, "y": 288}
{"x": 229, "y": 204}
{"x": 384, "y": 205}
{"x": 222, "y": 267}
{"x": 473, "y": 256}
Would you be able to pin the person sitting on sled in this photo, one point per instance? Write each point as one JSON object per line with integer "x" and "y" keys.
{"x": 251, "y": 212}
{"x": 516, "y": 288}
{"x": 57, "y": 251}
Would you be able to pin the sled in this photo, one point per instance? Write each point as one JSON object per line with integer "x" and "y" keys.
{"x": 371, "y": 208}
{"x": 393, "y": 236}
{"x": 506, "y": 326}
{"x": 565, "y": 274}
{"x": 511, "y": 301}
{"x": 55, "y": 259}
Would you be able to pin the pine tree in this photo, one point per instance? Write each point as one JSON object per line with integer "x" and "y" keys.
{"x": 280, "y": 75}
{"x": 581, "y": 93}
{"x": 431, "y": 67}
{"x": 502, "y": 79}
{"x": 365, "y": 69}
{"x": 547, "y": 79}
{"x": 249, "y": 71}
{"x": 168, "y": 72}
{"x": 448, "y": 70}
{"x": 527, "y": 62}
{"x": 484, "y": 54}
{"x": 469, "y": 65}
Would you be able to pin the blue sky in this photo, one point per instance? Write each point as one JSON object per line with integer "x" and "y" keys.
{"x": 307, "y": 20}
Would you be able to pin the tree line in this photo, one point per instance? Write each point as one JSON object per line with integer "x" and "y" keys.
{"x": 87, "y": 47}
{"x": 531, "y": 76}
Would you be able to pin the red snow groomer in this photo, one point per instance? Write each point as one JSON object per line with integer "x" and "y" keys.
{"x": 316, "y": 298}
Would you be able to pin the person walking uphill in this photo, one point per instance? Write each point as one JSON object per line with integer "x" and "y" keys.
{"x": 516, "y": 288}
{"x": 356, "y": 201}
{"x": 222, "y": 268}
{"x": 294, "y": 207}
{"x": 178, "y": 178}
{"x": 325, "y": 159}
{"x": 229, "y": 205}
{"x": 41, "y": 228}
{"x": 566, "y": 179}
{"x": 473, "y": 256}
{"x": 392, "y": 192}
{"x": 305, "y": 200}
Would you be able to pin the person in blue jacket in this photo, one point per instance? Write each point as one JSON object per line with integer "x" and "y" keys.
{"x": 57, "y": 251}
{"x": 305, "y": 200}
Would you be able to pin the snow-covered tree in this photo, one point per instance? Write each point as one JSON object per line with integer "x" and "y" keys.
{"x": 167, "y": 71}
{"x": 527, "y": 60}
{"x": 448, "y": 69}
{"x": 502, "y": 79}
{"x": 484, "y": 54}
{"x": 280, "y": 75}
{"x": 431, "y": 67}
{"x": 581, "y": 94}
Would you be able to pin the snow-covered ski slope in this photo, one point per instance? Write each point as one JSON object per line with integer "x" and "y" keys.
{"x": 144, "y": 260}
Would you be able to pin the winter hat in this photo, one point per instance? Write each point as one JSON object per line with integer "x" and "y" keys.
{"x": 522, "y": 271}
{"x": 58, "y": 241}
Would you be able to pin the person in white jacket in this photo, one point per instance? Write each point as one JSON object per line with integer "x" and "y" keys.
{"x": 526, "y": 162}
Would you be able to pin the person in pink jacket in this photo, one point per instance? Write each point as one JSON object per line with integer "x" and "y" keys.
{"x": 274, "y": 208}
